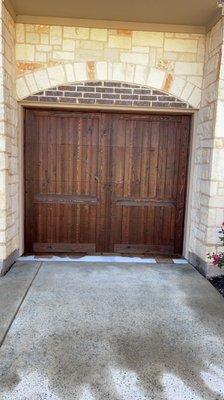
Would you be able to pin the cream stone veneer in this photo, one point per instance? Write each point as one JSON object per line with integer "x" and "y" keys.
{"x": 9, "y": 171}
{"x": 188, "y": 66}
{"x": 207, "y": 196}
{"x": 48, "y": 56}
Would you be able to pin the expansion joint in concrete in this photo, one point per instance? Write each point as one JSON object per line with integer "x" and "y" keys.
{"x": 20, "y": 304}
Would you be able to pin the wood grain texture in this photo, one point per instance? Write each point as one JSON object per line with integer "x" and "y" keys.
{"x": 105, "y": 182}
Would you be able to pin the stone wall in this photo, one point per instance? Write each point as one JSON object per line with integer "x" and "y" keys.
{"x": 108, "y": 93}
{"x": 178, "y": 70}
{"x": 47, "y": 56}
{"x": 208, "y": 174}
{"x": 8, "y": 143}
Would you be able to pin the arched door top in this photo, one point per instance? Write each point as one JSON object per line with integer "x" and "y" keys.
{"x": 71, "y": 73}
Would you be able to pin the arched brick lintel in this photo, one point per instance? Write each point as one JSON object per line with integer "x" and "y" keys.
{"x": 68, "y": 73}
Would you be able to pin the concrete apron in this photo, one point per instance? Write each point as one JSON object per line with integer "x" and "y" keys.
{"x": 117, "y": 332}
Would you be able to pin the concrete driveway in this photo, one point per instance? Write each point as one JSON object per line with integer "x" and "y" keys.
{"x": 110, "y": 332}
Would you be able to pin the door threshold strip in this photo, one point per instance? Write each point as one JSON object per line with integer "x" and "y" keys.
{"x": 105, "y": 259}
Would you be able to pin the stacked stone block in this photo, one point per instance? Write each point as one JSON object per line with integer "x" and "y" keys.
{"x": 8, "y": 140}
{"x": 208, "y": 174}
{"x": 47, "y": 56}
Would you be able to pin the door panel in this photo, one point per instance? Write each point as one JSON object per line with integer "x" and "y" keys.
{"x": 64, "y": 178}
{"x": 103, "y": 182}
{"x": 149, "y": 168}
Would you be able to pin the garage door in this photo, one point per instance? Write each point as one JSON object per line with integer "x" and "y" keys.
{"x": 105, "y": 182}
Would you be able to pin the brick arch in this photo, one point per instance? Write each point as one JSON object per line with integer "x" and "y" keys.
{"x": 107, "y": 93}
{"x": 69, "y": 73}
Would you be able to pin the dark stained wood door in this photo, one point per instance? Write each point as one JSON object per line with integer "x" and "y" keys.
{"x": 105, "y": 182}
{"x": 148, "y": 183}
{"x": 66, "y": 167}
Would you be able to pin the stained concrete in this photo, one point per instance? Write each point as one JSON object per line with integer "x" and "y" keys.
{"x": 115, "y": 332}
{"x": 13, "y": 287}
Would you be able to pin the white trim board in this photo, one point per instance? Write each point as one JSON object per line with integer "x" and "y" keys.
{"x": 180, "y": 261}
{"x": 114, "y": 259}
{"x": 99, "y": 259}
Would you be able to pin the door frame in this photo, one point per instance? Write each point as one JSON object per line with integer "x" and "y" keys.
{"x": 23, "y": 105}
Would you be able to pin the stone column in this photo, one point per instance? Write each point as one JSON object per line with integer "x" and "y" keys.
{"x": 208, "y": 188}
{"x": 8, "y": 144}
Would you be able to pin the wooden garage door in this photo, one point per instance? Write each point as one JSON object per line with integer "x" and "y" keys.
{"x": 105, "y": 182}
